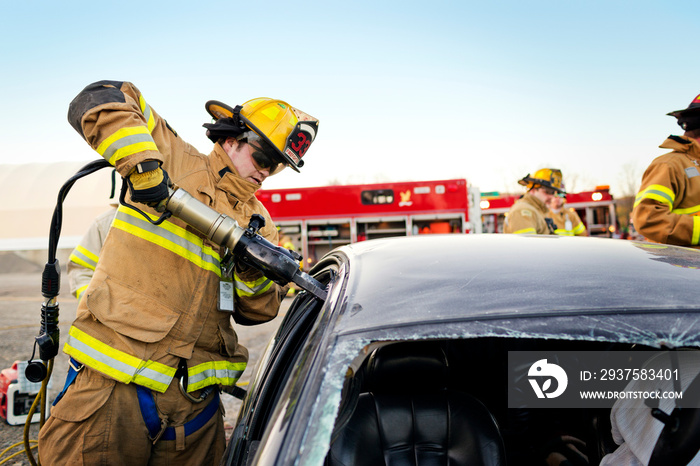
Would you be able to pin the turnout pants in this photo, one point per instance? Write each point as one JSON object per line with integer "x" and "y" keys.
{"x": 101, "y": 421}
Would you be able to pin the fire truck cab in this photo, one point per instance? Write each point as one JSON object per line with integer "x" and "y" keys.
{"x": 317, "y": 220}
{"x": 596, "y": 209}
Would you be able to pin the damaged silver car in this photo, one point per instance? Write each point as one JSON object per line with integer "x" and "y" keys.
{"x": 414, "y": 356}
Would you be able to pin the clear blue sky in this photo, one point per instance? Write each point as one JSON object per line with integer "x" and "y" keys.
{"x": 404, "y": 90}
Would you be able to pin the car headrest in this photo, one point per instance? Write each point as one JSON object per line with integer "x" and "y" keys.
{"x": 408, "y": 367}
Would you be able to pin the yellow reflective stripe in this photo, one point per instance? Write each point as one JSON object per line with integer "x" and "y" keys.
{"x": 525, "y": 230}
{"x": 656, "y": 192}
{"x": 696, "y": 231}
{"x": 147, "y": 113}
{"x": 79, "y": 292}
{"x": 117, "y": 364}
{"x": 125, "y": 142}
{"x": 79, "y": 261}
{"x": 84, "y": 257}
{"x": 687, "y": 210}
{"x": 169, "y": 236}
{"x": 214, "y": 373}
{"x": 651, "y": 246}
{"x": 253, "y": 288}
{"x": 580, "y": 228}
{"x": 563, "y": 232}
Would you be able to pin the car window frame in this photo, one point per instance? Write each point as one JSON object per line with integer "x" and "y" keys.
{"x": 270, "y": 382}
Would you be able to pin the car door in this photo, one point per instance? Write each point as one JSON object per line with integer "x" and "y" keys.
{"x": 272, "y": 376}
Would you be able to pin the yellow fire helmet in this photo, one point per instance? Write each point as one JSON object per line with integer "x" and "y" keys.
{"x": 288, "y": 130}
{"x": 547, "y": 177}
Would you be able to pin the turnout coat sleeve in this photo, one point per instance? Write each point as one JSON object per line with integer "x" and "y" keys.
{"x": 117, "y": 122}
{"x": 579, "y": 227}
{"x": 83, "y": 260}
{"x": 668, "y": 203}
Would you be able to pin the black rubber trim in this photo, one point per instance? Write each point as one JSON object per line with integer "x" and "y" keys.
{"x": 95, "y": 94}
{"x": 679, "y": 139}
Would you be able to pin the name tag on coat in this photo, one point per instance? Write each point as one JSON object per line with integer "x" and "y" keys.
{"x": 692, "y": 171}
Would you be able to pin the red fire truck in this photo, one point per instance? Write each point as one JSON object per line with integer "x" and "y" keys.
{"x": 596, "y": 209}
{"x": 319, "y": 219}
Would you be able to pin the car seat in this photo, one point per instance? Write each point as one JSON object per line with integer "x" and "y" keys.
{"x": 405, "y": 415}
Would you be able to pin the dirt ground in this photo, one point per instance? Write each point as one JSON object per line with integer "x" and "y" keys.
{"x": 20, "y": 313}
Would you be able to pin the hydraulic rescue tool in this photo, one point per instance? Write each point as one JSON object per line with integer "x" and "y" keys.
{"x": 244, "y": 244}
{"x": 276, "y": 263}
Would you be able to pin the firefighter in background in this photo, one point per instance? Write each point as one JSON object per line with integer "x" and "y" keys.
{"x": 83, "y": 260}
{"x": 529, "y": 213}
{"x": 667, "y": 206}
{"x": 151, "y": 343}
{"x": 567, "y": 222}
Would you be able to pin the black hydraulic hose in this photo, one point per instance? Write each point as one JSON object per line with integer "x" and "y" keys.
{"x": 48, "y": 337}
{"x": 57, "y": 220}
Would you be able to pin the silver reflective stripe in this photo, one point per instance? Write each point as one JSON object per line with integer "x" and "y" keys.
{"x": 113, "y": 363}
{"x": 211, "y": 373}
{"x": 153, "y": 375}
{"x": 656, "y": 192}
{"x": 79, "y": 257}
{"x": 124, "y": 142}
{"x": 120, "y": 366}
{"x": 184, "y": 244}
{"x": 244, "y": 288}
{"x": 146, "y": 110}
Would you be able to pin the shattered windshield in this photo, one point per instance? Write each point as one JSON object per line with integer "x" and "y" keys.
{"x": 483, "y": 347}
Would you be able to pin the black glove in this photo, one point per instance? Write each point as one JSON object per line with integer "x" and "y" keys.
{"x": 148, "y": 183}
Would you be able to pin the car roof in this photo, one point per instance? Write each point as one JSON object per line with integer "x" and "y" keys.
{"x": 439, "y": 278}
{"x": 591, "y": 292}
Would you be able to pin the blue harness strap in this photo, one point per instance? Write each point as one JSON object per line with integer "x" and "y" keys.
{"x": 153, "y": 422}
{"x": 73, "y": 369}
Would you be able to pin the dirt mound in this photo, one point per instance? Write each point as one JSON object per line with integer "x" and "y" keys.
{"x": 10, "y": 262}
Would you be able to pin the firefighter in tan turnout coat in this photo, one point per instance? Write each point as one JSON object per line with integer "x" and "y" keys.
{"x": 153, "y": 341}
{"x": 529, "y": 213}
{"x": 566, "y": 221}
{"x": 667, "y": 207}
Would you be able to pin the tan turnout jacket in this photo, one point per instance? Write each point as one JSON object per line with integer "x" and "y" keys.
{"x": 527, "y": 216}
{"x": 568, "y": 222}
{"x": 153, "y": 298}
{"x": 667, "y": 206}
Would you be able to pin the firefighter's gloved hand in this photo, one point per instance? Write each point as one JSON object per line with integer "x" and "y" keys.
{"x": 246, "y": 271}
{"x": 148, "y": 183}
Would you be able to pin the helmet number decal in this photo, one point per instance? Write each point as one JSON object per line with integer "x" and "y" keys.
{"x": 301, "y": 145}
{"x": 300, "y": 139}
